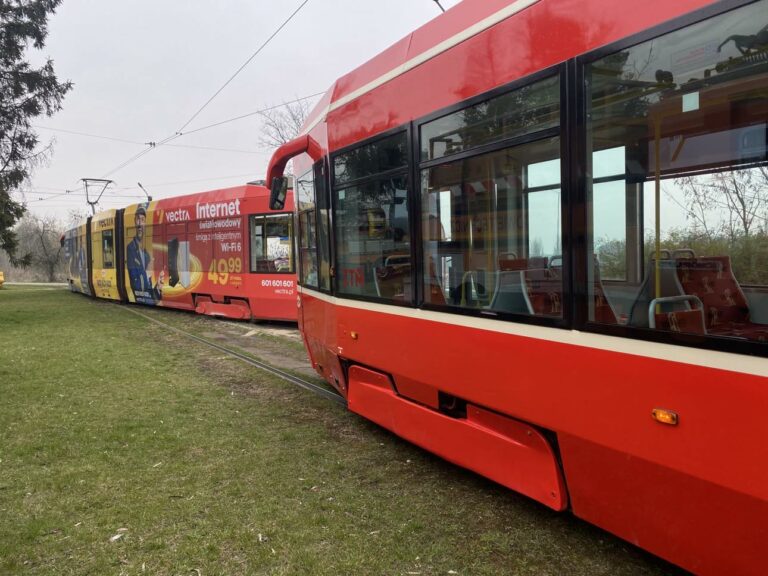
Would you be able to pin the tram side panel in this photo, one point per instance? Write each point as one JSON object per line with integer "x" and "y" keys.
{"x": 692, "y": 493}
{"x": 143, "y": 256}
{"x": 320, "y": 326}
{"x": 76, "y": 258}
{"x": 192, "y": 253}
{"x": 105, "y": 263}
{"x": 271, "y": 262}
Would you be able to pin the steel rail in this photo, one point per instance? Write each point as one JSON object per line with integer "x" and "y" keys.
{"x": 309, "y": 386}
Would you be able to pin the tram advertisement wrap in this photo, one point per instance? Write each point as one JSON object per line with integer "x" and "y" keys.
{"x": 75, "y": 256}
{"x": 172, "y": 252}
{"x": 103, "y": 255}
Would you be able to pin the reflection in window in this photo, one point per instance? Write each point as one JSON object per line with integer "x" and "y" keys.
{"x": 107, "y": 248}
{"x": 383, "y": 155}
{"x": 492, "y": 231}
{"x": 523, "y": 111}
{"x": 305, "y": 197}
{"x": 324, "y": 228}
{"x": 679, "y": 162}
{"x": 271, "y": 250}
{"x": 373, "y": 239}
{"x": 609, "y": 219}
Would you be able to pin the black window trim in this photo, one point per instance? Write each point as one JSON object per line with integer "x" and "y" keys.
{"x": 102, "y": 233}
{"x": 297, "y": 232}
{"x": 250, "y": 219}
{"x": 336, "y": 284}
{"x": 560, "y": 132}
{"x": 367, "y": 142}
{"x": 324, "y": 168}
{"x": 405, "y": 171}
{"x": 579, "y": 140}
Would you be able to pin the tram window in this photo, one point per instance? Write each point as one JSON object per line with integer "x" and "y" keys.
{"x": 107, "y": 249}
{"x": 609, "y": 219}
{"x": 96, "y": 246}
{"x": 679, "y": 192}
{"x": 492, "y": 231}
{"x": 373, "y": 251}
{"x": 324, "y": 228}
{"x": 271, "y": 250}
{"x": 529, "y": 109}
{"x": 305, "y": 196}
{"x": 383, "y": 155}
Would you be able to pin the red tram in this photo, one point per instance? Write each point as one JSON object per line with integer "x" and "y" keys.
{"x": 221, "y": 253}
{"x": 532, "y": 240}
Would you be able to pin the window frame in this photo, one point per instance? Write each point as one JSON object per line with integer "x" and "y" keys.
{"x": 332, "y": 189}
{"x": 579, "y": 137}
{"x": 251, "y": 218}
{"x": 299, "y": 228}
{"x": 320, "y": 174}
{"x": 103, "y": 235}
{"x": 561, "y": 132}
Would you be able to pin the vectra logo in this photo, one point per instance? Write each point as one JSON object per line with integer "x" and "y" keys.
{"x": 179, "y": 215}
{"x": 218, "y": 209}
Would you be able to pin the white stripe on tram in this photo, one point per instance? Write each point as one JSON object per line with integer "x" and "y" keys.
{"x": 436, "y": 50}
{"x": 681, "y": 354}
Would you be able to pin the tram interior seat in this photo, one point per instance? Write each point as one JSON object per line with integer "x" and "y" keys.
{"x": 725, "y": 307}
{"x": 720, "y": 306}
{"x": 545, "y": 291}
{"x": 471, "y": 291}
{"x": 508, "y": 264}
{"x": 510, "y": 294}
{"x": 392, "y": 277}
{"x": 531, "y": 286}
{"x": 266, "y": 266}
{"x": 434, "y": 290}
{"x": 639, "y": 315}
{"x": 603, "y": 310}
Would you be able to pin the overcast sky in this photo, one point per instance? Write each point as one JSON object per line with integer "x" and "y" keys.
{"x": 142, "y": 68}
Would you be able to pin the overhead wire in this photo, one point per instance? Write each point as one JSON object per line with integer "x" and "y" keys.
{"x": 179, "y": 133}
{"x": 201, "y": 180}
{"x": 254, "y": 113}
{"x": 248, "y": 61}
{"x": 77, "y": 193}
{"x": 151, "y": 146}
{"x": 135, "y": 142}
{"x": 90, "y": 135}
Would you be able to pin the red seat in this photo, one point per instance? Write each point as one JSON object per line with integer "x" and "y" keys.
{"x": 545, "y": 292}
{"x": 726, "y": 311}
{"x": 509, "y": 264}
{"x": 690, "y": 321}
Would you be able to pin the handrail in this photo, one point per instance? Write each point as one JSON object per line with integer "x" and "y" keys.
{"x": 672, "y": 300}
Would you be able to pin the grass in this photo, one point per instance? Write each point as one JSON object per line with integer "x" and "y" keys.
{"x": 125, "y": 449}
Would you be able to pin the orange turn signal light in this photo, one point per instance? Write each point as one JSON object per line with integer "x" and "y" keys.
{"x": 665, "y": 416}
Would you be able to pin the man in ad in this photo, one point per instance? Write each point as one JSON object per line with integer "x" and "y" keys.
{"x": 138, "y": 260}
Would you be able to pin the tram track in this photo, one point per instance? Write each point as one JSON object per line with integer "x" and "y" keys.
{"x": 287, "y": 376}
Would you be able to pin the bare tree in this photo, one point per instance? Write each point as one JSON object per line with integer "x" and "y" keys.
{"x": 41, "y": 239}
{"x": 728, "y": 214}
{"x": 733, "y": 203}
{"x": 283, "y": 124}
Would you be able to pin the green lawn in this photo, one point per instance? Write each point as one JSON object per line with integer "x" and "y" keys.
{"x": 125, "y": 449}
